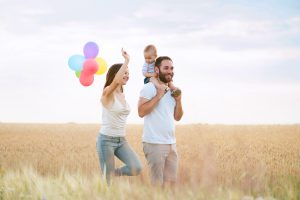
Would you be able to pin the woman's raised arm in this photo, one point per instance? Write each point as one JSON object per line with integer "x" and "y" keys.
{"x": 108, "y": 91}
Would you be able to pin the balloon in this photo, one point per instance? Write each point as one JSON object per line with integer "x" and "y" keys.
{"x": 86, "y": 66}
{"x": 85, "y": 79}
{"x": 78, "y": 73}
{"x": 90, "y": 50}
{"x": 102, "y": 66}
{"x": 75, "y": 62}
{"x": 90, "y": 67}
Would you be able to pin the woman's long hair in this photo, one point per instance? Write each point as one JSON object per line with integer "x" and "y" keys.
{"x": 113, "y": 70}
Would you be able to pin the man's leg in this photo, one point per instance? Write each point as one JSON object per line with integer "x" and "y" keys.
{"x": 171, "y": 167}
{"x": 155, "y": 155}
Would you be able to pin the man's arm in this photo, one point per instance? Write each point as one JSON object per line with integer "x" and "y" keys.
{"x": 145, "y": 106}
{"x": 178, "y": 111}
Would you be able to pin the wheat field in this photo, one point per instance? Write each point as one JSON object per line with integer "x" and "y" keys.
{"x": 59, "y": 161}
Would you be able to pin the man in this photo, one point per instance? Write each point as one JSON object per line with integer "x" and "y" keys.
{"x": 159, "y": 109}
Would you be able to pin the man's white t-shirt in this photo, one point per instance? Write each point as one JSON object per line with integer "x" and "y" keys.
{"x": 159, "y": 125}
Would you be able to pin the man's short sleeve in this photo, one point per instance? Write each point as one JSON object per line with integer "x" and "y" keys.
{"x": 148, "y": 91}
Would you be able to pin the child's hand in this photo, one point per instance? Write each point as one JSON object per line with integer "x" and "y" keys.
{"x": 125, "y": 54}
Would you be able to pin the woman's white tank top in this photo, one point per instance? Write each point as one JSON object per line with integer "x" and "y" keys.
{"x": 114, "y": 118}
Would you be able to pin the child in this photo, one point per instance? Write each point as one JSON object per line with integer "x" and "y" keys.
{"x": 150, "y": 54}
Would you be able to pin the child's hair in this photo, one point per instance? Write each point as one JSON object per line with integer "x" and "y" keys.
{"x": 150, "y": 48}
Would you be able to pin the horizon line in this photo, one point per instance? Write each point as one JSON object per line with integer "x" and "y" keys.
{"x": 176, "y": 124}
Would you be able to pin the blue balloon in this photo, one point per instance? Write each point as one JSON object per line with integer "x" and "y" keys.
{"x": 76, "y": 62}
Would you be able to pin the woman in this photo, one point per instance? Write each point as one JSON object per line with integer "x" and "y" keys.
{"x": 111, "y": 139}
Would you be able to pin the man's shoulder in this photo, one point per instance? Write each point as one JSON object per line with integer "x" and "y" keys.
{"x": 149, "y": 86}
{"x": 148, "y": 90}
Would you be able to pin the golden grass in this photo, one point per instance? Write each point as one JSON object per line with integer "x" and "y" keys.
{"x": 255, "y": 160}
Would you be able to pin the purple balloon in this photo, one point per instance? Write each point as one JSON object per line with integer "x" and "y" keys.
{"x": 90, "y": 50}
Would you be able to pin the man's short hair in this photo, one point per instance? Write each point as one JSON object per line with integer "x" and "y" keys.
{"x": 159, "y": 60}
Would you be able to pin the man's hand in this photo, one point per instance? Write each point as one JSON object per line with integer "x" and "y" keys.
{"x": 178, "y": 112}
{"x": 178, "y": 98}
{"x": 176, "y": 93}
{"x": 145, "y": 106}
{"x": 161, "y": 91}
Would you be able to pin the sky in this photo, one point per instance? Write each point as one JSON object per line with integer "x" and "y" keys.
{"x": 237, "y": 62}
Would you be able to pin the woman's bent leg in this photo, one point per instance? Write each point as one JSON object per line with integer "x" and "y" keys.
{"x": 132, "y": 162}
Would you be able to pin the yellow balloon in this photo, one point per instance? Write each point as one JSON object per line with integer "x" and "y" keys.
{"x": 102, "y": 66}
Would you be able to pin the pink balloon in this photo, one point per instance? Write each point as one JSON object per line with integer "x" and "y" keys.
{"x": 86, "y": 79}
{"x": 90, "y": 66}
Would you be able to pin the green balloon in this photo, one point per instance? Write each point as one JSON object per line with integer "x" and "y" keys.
{"x": 77, "y": 73}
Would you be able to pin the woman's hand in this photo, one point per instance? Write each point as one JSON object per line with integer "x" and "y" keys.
{"x": 125, "y": 55}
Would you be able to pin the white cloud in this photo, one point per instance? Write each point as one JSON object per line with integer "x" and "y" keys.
{"x": 223, "y": 63}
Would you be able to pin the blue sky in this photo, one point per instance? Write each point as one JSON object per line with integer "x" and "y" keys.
{"x": 237, "y": 62}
